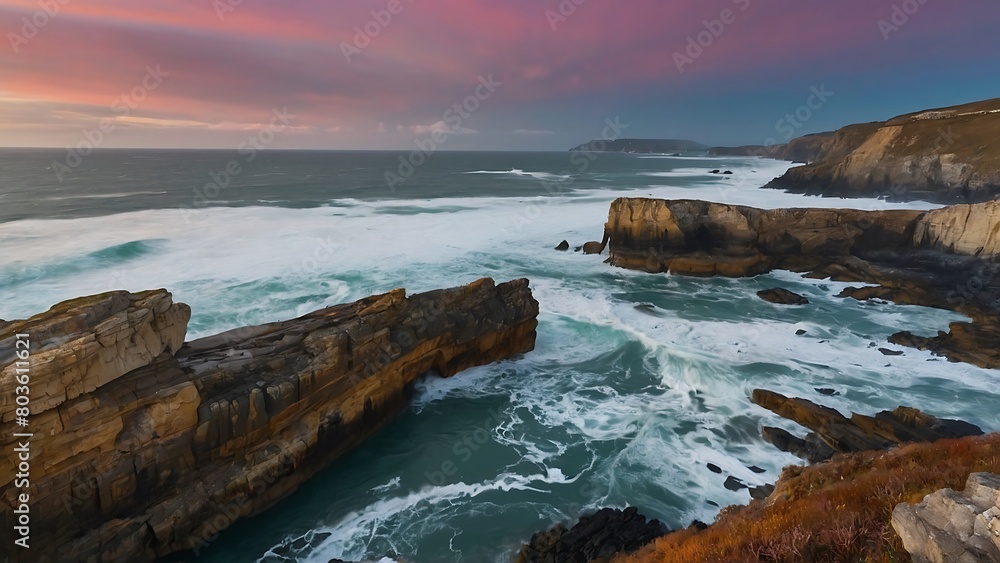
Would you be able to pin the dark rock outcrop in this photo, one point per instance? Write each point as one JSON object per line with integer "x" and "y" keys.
{"x": 144, "y": 447}
{"x": 639, "y": 146}
{"x": 832, "y": 432}
{"x": 594, "y": 247}
{"x": 563, "y": 246}
{"x": 947, "y": 258}
{"x": 946, "y": 155}
{"x": 599, "y": 536}
{"x": 781, "y": 296}
{"x": 951, "y": 526}
{"x": 802, "y": 149}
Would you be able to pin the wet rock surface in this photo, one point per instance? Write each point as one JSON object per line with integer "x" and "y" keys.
{"x": 781, "y": 296}
{"x": 598, "y": 536}
{"x": 947, "y": 258}
{"x": 834, "y": 433}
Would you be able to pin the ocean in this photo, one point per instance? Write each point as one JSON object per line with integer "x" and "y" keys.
{"x": 637, "y": 381}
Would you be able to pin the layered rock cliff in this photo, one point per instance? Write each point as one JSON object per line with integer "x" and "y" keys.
{"x": 144, "y": 447}
{"x": 947, "y": 258}
{"x": 946, "y": 155}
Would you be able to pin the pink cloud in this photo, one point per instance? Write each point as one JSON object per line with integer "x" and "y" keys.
{"x": 236, "y": 66}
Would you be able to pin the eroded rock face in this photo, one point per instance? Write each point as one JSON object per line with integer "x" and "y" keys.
{"x": 948, "y": 526}
{"x": 160, "y": 457}
{"x": 924, "y": 258}
{"x": 82, "y": 344}
{"x": 946, "y": 156}
{"x": 833, "y": 433}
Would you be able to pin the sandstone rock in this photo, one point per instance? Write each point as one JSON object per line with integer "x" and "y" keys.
{"x": 780, "y": 296}
{"x": 950, "y": 526}
{"x": 915, "y": 257}
{"x": 601, "y": 535}
{"x": 188, "y": 439}
{"x": 857, "y": 434}
{"x": 83, "y": 344}
{"x": 945, "y": 156}
{"x": 595, "y": 247}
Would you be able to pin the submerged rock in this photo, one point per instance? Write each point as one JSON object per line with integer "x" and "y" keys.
{"x": 780, "y": 296}
{"x": 600, "y": 535}
{"x": 146, "y": 447}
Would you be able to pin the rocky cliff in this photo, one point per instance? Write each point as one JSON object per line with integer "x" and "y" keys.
{"x": 946, "y": 155}
{"x": 144, "y": 447}
{"x": 947, "y": 258}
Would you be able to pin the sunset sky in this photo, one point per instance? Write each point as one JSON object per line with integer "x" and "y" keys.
{"x": 563, "y": 68}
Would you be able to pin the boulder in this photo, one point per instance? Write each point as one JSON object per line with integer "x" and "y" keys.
{"x": 950, "y": 526}
{"x": 780, "y": 296}
{"x": 563, "y": 246}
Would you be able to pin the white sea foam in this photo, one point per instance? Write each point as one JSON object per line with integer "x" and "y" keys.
{"x": 703, "y": 345}
{"x": 103, "y": 196}
{"x": 518, "y": 172}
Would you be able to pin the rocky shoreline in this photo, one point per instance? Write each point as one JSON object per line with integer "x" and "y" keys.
{"x": 948, "y": 258}
{"x": 147, "y": 446}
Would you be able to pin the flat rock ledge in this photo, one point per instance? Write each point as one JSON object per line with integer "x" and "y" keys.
{"x": 953, "y": 527}
{"x": 146, "y": 446}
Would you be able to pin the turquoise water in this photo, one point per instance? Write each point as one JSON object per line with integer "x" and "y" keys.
{"x": 636, "y": 383}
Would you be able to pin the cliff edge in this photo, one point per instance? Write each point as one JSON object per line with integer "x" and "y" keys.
{"x": 143, "y": 446}
{"x": 947, "y": 155}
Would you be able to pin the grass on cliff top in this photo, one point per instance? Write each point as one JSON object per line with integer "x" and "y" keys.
{"x": 835, "y": 511}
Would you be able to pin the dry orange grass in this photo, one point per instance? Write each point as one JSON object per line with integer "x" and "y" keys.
{"x": 834, "y": 511}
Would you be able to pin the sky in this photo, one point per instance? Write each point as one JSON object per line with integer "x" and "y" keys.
{"x": 478, "y": 74}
